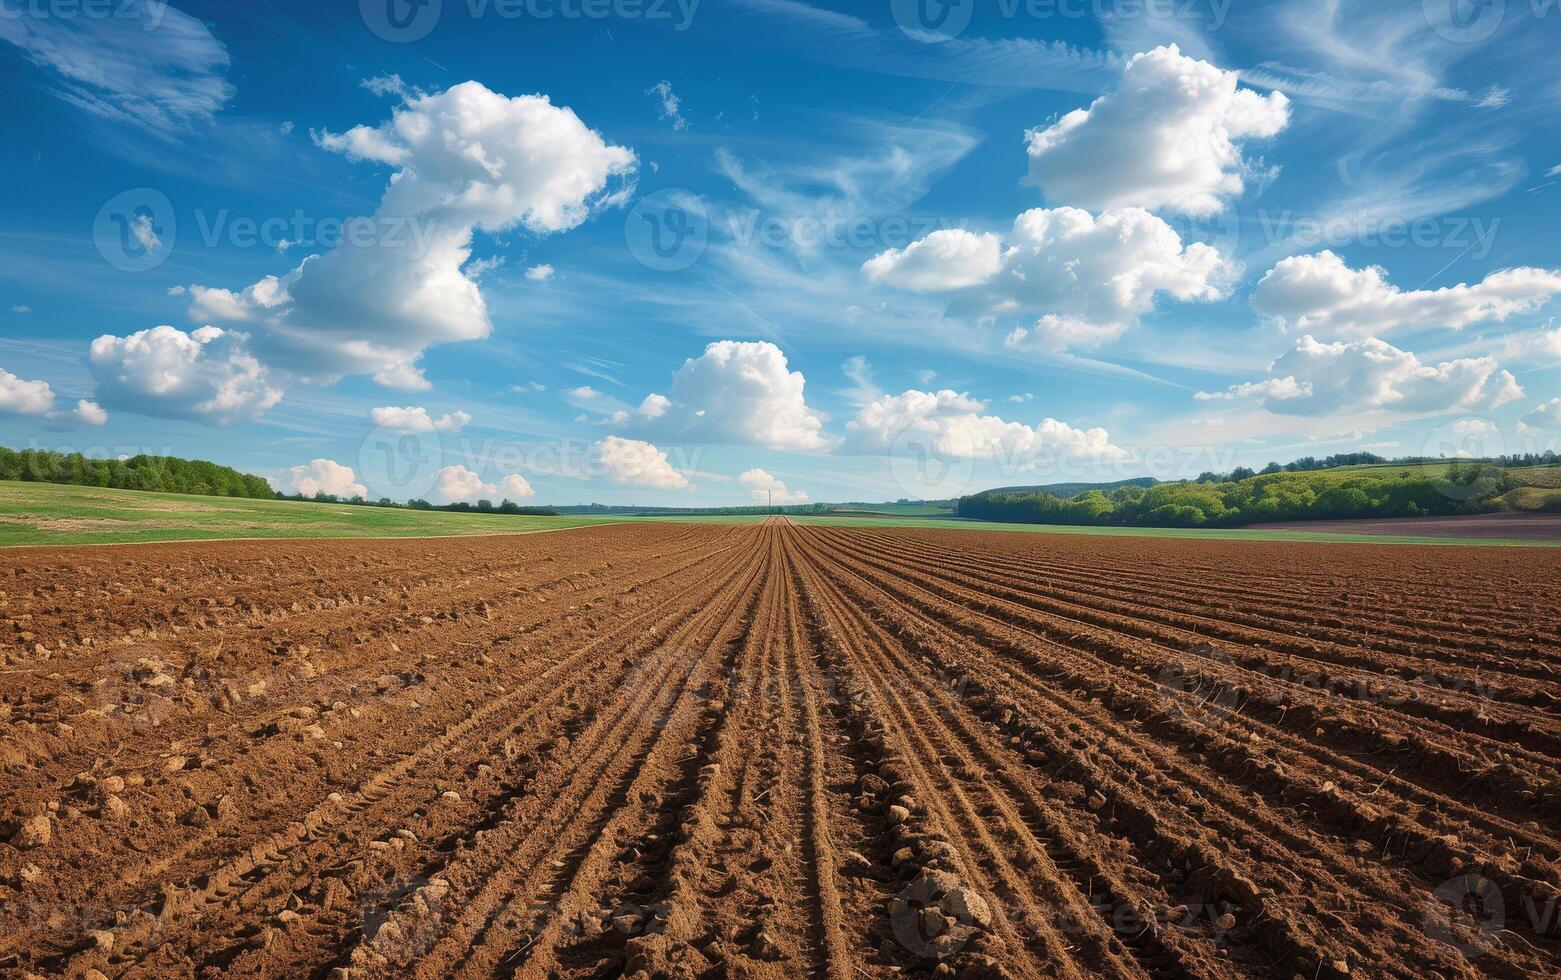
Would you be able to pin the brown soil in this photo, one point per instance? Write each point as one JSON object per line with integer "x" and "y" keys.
{"x": 1490, "y": 527}
{"x": 773, "y": 751}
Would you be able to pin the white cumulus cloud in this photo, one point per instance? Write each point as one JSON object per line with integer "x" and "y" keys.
{"x": 1278, "y": 389}
{"x": 417, "y": 419}
{"x": 1321, "y": 294}
{"x": 633, "y": 463}
{"x": 953, "y": 424}
{"x": 516, "y": 487}
{"x": 89, "y": 413}
{"x": 1168, "y": 137}
{"x": 467, "y": 159}
{"x": 457, "y": 484}
{"x": 208, "y": 304}
{"x": 320, "y": 476}
{"x": 24, "y": 397}
{"x": 766, "y": 489}
{"x": 949, "y": 258}
{"x": 1546, "y": 416}
{"x": 21, "y": 397}
{"x": 1316, "y": 378}
{"x": 739, "y": 392}
{"x": 1086, "y": 278}
{"x": 207, "y": 375}
{"x": 540, "y": 273}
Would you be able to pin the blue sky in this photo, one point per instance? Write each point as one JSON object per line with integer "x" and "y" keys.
{"x": 699, "y": 253}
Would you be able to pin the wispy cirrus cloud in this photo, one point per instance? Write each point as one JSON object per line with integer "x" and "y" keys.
{"x": 140, "y": 62}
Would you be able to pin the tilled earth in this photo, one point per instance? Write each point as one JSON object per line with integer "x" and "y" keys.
{"x": 772, "y": 750}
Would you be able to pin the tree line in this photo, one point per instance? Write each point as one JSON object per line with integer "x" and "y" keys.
{"x": 508, "y": 507}
{"x": 1442, "y": 489}
{"x": 164, "y": 474}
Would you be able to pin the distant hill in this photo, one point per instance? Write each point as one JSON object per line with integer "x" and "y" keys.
{"x": 1063, "y": 491}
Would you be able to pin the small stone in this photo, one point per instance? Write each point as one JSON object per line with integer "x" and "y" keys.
{"x": 627, "y": 920}
{"x": 450, "y": 795}
{"x": 764, "y": 946}
{"x": 102, "y": 940}
{"x": 898, "y": 814}
{"x": 855, "y": 863}
{"x": 110, "y": 785}
{"x": 1225, "y": 922}
{"x": 933, "y": 922}
{"x": 34, "y": 832}
{"x": 967, "y": 905}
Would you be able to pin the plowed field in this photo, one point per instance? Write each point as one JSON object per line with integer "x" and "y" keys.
{"x": 775, "y": 751}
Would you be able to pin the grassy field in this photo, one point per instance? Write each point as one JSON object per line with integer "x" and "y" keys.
{"x": 1226, "y": 534}
{"x": 49, "y": 514}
